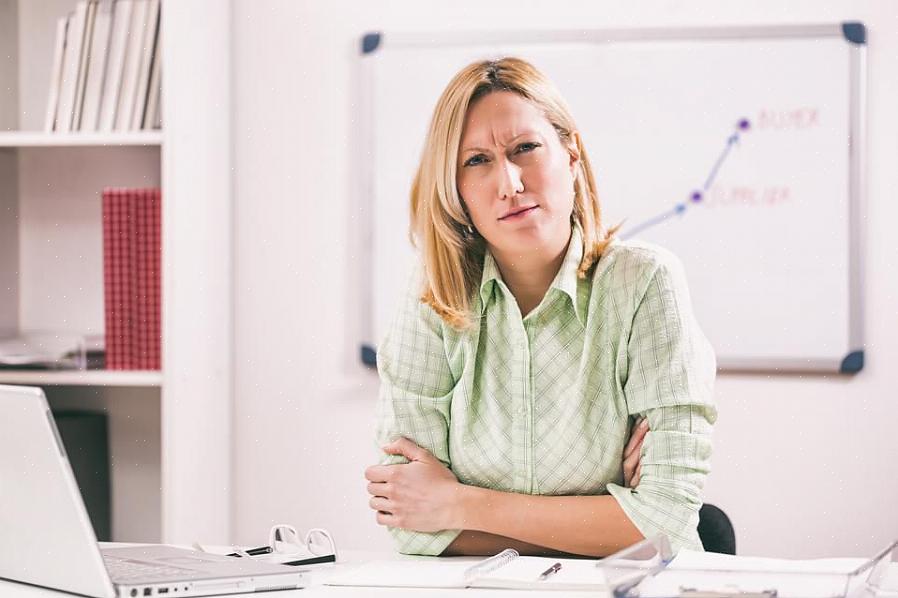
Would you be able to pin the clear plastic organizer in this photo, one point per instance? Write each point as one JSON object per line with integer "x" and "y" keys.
{"x": 648, "y": 569}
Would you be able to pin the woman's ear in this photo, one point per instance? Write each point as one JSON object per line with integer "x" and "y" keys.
{"x": 573, "y": 149}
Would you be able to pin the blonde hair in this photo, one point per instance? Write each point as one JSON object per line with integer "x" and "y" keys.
{"x": 452, "y": 256}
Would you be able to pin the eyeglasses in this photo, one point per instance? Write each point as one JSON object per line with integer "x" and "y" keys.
{"x": 285, "y": 540}
{"x": 287, "y": 546}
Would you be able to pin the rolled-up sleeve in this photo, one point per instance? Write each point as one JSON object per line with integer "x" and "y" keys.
{"x": 669, "y": 379}
{"x": 414, "y": 396}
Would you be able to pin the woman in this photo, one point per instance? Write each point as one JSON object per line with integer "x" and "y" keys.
{"x": 530, "y": 344}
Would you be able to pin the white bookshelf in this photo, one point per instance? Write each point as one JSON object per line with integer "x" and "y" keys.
{"x": 16, "y": 139}
{"x": 82, "y": 378}
{"x": 169, "y": 429}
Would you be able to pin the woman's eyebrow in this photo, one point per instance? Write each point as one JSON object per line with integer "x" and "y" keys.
{"x": 475, "y": 149}
{"x": 512, "y": 140}
{"x": 526, "y": 133}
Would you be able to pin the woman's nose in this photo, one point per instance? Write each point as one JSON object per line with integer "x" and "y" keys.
{"x": 510, "y": 182}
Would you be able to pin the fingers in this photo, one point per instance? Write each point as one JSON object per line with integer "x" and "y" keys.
{"x": 637, "y": 435}
{"x": 633, "y": 453}
{"x": 379, "y": 473}
{"x": 386, "y": 519}
{"x": 632, "y": 470}
{"x": 380, "y": 489}
{"x": 379, "y": 503}
{"x": 630, "y": 465}
{"x": 408, "y": 449}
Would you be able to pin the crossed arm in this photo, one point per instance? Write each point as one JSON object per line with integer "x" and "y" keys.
{"x": 424, "y": 495}
{"x": 668, "y": 380}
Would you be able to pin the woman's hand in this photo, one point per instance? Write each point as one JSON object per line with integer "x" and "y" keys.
{"x": 633, "y": 454}
{"x": 421, "y": 495}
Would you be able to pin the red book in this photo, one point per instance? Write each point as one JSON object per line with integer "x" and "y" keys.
{"x": 148, "y": 329}
{"x": 132, "y": 253}
{"x": 117, "y": 289}
{"x": 141, "y": 310}
{"x": 133, "y": 300}
{"x": 156, "y": 281}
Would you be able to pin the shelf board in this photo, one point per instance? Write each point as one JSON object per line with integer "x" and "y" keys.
{"x": 41, "y": 139}
{"x": 82, "y": 377}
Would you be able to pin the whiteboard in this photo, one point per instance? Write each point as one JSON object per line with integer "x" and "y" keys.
{"x": 772, "y": 246}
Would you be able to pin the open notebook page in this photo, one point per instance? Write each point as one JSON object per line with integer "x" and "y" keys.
{"x": 519, "y": 573}
{"x": 523, "y": 573}
{"x": 424, "y": 573}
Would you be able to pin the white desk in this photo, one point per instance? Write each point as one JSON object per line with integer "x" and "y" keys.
{"x": 348, "y": 559}
{"x": 319, "y": 573}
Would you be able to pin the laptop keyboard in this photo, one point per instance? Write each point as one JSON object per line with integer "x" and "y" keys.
{"x": 124, "y": 569}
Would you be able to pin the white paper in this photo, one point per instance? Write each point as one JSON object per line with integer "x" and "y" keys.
{"x": 519, "y": 573}
{"x": 523, "y": 573}
{"x": 423, "y": 573}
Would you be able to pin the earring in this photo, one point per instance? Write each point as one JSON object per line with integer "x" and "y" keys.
{"x": 470, "y": 231}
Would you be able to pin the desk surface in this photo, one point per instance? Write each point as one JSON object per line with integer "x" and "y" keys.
{"x": 319, "y": 573}
{"x": 350, "y": 558}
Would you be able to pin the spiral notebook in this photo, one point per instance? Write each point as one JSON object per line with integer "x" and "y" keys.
{"x": 507, "y": 570}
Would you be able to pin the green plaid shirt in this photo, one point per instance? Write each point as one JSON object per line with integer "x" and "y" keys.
{"x": 544, "y": 404}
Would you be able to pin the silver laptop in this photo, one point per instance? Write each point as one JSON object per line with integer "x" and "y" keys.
{"x": 46, "y": 538}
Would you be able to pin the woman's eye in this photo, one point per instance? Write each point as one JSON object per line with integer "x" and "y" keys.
{"x": 527, "y": 147}
{"x": 475, "y": 160}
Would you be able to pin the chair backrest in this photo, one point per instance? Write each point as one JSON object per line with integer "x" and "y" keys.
{"x": 716, "y": 530}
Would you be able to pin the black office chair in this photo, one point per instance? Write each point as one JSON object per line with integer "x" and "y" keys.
{"x": 716, "y": 531}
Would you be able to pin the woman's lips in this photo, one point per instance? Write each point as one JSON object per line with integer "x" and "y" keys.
{"x": 522, "y": 214}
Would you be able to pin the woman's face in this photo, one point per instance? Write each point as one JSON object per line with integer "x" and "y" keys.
{"x": 515, "y": 177}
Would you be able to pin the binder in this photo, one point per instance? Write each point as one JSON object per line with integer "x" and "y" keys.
{"x": 56, "y": 74}
{"x": 66, "y": 120}
{"x": 96, "y": 71}
{"x": 118, "y": 48}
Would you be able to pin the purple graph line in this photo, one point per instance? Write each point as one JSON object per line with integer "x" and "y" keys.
{"x": 678, "y": 209}
{"x": 696, "y": 196}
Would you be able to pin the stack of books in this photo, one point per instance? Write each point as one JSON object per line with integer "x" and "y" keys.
{"x": 106, "y": 68}
{"x": 132, "y": 278}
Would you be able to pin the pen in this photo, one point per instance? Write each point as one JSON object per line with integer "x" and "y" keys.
{"x": 545, "y": 574}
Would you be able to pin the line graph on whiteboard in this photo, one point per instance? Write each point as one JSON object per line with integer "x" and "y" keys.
{"x": 708, "y": 194}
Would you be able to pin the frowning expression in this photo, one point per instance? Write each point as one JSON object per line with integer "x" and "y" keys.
{"x": 514, "y": 175}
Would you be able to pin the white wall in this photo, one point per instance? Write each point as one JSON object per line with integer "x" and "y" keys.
{"x": 805, "y": 466}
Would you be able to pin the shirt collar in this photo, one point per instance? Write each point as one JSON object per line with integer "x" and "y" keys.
{"x": 565, "y": 280}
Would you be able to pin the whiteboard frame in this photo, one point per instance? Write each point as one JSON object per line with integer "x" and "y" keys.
{"x": 854, "y": 33}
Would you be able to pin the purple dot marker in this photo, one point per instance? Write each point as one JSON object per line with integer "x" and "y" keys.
{"x": 696, "y": 196}
{"x": 744, "y": 125}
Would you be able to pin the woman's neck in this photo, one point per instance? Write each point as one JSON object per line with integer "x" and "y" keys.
{"x": 529, "y": 274}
